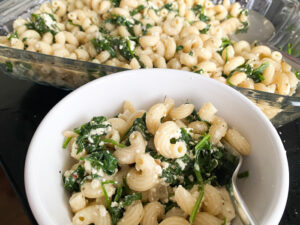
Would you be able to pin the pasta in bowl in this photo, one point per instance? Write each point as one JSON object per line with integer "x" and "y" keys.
{"x": 142, "y": 167}
{"x": 175, "y": 172}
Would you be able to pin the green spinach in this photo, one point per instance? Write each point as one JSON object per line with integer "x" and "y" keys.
{"x": 139, "y": 124}
{"x": 179, "y": 48}
{"x": 76, "y": 25}
{"x": 73, "y": 181}
{"x": 244, "y": 28}
{"x": 13, "y": 35}
{"x": 88, "y": 141}
{"x": 137, "y": 10}
{"x": 199, "y": 11}
{"x": 103, "y": 160}
{"x": 255, "y": 74}
{"x": 39, "y": 23}
{"x": 205, "y": 30}
{"x": 225, "y": 43}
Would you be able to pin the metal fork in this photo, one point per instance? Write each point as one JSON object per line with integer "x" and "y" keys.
{"x": 240, "y": 206}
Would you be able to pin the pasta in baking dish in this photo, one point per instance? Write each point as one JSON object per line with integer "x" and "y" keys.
{"x": 189, "y": 35}
{"x": 163, "y": 166}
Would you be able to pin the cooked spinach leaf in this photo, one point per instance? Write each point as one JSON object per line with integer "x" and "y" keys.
{"x": 146, "y": 28}
{"x": 103, "y": 160}
{"x": 105, "y": 44}
{"x": 124, "y": 47}
{"x": 169, "y": 7}
{"x": 198, "y": 170}
{"x": 73, "y": 181}
{"x": 66, "y": 142}
{"x": 139, "y": 124}
{"x": 116, "y": 3}
{"x": 193, "y": 116}
{"x": 76, "y": 25}
{"x": 137, "y": 10}
{"x": 121, "y": 21}
{"x": 225, "y": 43}
{"x": 179, "y": 48}
{"x": 13, "y": 35}
{"x": 199, "y": 11}
{"x": 255, "y": 74}
{"x": 243, "y": 29}
{"x": 116, "y": 214}
{"x": 122, "y": 201}
{"x": 43, "y": 23}
{"x": 169, "y": 205}
{"x": 90, "y": 134}
{"x": 205, "y": 30}
{"x": 129, "y": 199}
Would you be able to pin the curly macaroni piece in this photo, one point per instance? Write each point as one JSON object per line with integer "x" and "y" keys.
{"x": 96, "y": 214}
{"x": 153, "y": 212}
{"x": 154, "y": 116}
{"x": 162, "y": 141}
{"x": 174, "y": 220}
{"x": 145, "y": 175}
{"x": 133, "y": 214}
{"x": 137, "y": 146}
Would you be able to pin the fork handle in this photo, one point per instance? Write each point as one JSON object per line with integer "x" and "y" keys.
{"x": 245, "y": 216}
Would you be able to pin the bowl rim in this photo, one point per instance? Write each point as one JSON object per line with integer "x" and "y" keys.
{"x": 41, "y": 215}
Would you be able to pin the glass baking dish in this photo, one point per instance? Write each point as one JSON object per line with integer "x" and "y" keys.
{"x": 70, "y": 74}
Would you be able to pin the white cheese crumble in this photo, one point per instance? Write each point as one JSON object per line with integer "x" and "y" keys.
{"x": 100, "y": 131}
{"x": 49, "y": 22}
{"x": 131, "y": 45}
{"x": 177, "y": 134}
{"x": 114, "y": 204}
{"x": 87, "y": 166}
{"x": 189, "y": 130}
{"x": 181, "y": 163}
{"x": 90, "y": 139}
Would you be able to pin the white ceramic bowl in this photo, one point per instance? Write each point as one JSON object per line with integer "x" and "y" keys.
{"x": 265, "y": 191}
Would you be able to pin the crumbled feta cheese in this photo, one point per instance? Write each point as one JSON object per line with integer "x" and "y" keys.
{"x": 101, "y": 131}
{"x": 87, "y": 166}
{"x": 131, "y": 45}
{"x": 181, "y": 163}
{"x": 189, "y": 130}
{"x": 114, "y": 204}
{"x": 177, "y": 134}
{"x": 49, "y": 22}
{"x": 90, "y": 139}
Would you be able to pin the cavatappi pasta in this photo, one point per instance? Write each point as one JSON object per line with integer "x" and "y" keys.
{"x": 189, "y": 35}
{"x": 175, "y": 174}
